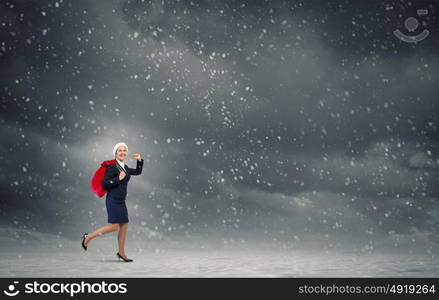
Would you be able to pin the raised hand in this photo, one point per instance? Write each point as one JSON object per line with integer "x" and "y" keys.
{"x": 137, "y": 156}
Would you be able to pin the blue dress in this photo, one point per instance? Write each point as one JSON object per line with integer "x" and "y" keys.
{"x": 117, "y": 211}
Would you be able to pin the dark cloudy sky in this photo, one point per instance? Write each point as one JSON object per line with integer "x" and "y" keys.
{"x": 284, "y": 121}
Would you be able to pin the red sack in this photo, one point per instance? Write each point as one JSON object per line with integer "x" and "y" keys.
{"x": 98, "y": 177}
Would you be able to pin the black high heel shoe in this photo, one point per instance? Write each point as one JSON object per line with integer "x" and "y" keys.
{"x": 123, "y": 258}
{"x": 83, "y": 240}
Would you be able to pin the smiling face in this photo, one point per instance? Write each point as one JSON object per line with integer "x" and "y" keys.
{"x": 121, "y": 153}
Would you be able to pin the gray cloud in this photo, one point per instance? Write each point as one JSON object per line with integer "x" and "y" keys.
{"x": 254, "y": 120}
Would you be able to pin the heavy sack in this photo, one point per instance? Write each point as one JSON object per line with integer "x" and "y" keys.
{"x": 98, "y": 177}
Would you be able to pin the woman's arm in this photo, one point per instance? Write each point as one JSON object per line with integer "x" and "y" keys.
{"x": 137, "y": 170}
{"x": 109, "y": 179}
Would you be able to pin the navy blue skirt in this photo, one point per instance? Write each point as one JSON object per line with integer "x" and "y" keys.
{"x": 116, "y": 210}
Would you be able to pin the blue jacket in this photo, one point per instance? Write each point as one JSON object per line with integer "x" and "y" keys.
{"x": 118, "y": 188}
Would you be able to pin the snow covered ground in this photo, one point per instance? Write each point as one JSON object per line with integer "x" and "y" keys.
{"x": 69, "y": 260}
{"x": 26, "y": 253}
{"x": 214, "y": 264}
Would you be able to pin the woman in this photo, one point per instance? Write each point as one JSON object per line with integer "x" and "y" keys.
{"x": 116, "y": 182}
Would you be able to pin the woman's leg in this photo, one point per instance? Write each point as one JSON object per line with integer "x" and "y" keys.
{"x": 121, "y": 238}
{"x": 104, "y": 229}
